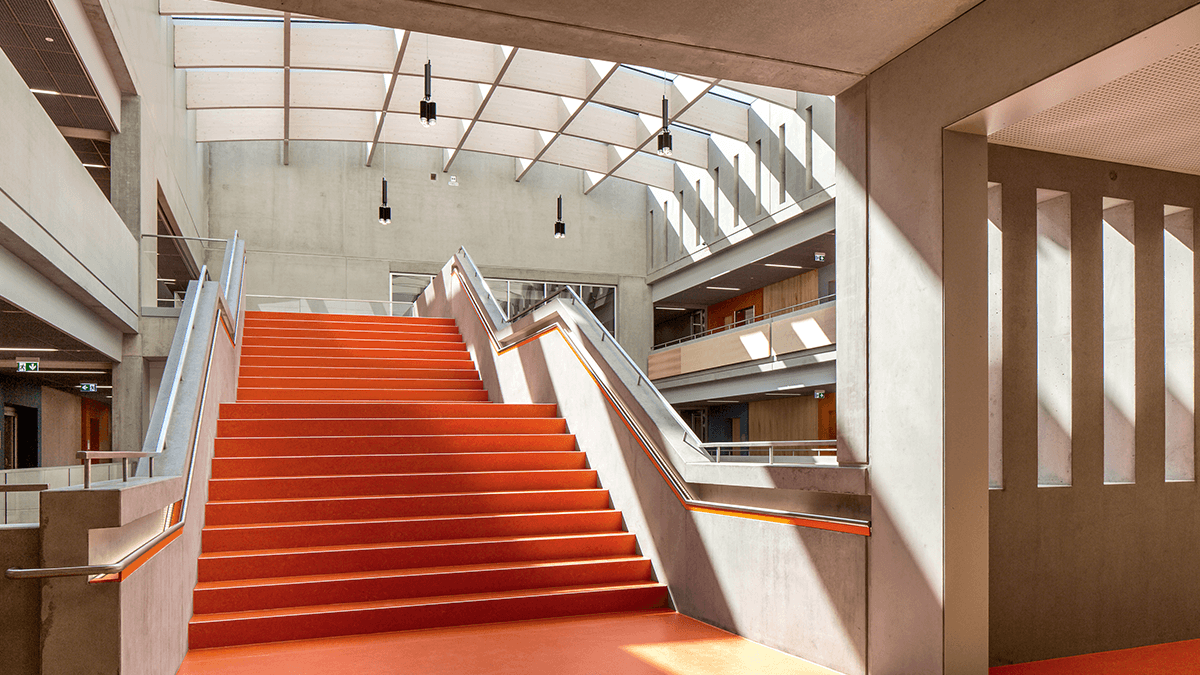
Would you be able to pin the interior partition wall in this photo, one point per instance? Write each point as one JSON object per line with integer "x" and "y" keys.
{"x": 1093, "y": 465}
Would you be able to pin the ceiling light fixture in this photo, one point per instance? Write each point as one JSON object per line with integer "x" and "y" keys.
{"x": 46, "y": 91}
{"x": 560, "y": 228}
{"x": 428, "y": 106}
{"x": 786, "y": 267}
{"x": 27, "y": 349}
{"x": 664, "y": 136}
{"x": 385, "y": 211}
{"x": 722, "y": 288}
{"x": 673, "y": 309}
{"x": 95, "y": 166}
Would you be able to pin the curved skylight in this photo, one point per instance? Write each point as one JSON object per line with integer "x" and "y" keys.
{"x": 593, "y": 115}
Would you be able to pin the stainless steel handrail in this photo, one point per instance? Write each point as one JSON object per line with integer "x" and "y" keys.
{"x": 773, "y": 314}
{"x": 120, "y": 565}
{"x": 178, "y": 375}
{"x": 150, "y": 235}
{"x": 656, "y": 453}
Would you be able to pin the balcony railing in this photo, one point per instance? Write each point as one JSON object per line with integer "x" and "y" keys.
{"x": 746, "y": 322}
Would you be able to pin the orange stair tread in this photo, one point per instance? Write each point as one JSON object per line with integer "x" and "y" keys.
{"x": 411, "y": 572}
{"x": 405, "y": 519}
{"x": 400, "y": 603}
{"x": 292, "y": 500}
{"x": 405, "y": 544}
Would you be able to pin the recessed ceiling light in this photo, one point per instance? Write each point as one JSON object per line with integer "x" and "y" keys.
{"x": 46, "y": 91}
{"x": 673, "y": 309}
{"x": 27, "y": 349}
{"x": 790, "y": 267}
{"x": 75, "y": 372}
{"x": 95, "y": 166}
{"x": 720, "y": 401}
{"x": 722, "y": 288}
{"x": 49, "y": 39}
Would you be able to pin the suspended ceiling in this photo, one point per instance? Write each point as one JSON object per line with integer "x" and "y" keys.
{"x": 820, "y": 47}
{"x": 350, "y": 82}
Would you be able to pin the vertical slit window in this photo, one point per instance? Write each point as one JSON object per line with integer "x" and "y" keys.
{"x": 1054, "y": 337}
{"x": 666, "y": 232}
{"x": 995, "y": 270}
{"x": 699, "y": 214}
{"x": 1120, "y": 384}
{"x": 716, "y": 201}
{"x": 737, "y": 191}
{"x": 758, "y": 192}
{"x": 682, "y": 242}
{"x": 653, "y": 236}
{"x": 782, "y": 163}
{"x": 1179, "y": 306}
{"x": 808, "y": 148}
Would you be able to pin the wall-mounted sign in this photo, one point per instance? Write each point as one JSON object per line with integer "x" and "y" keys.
{"x": 87, "y": 388}
{"x": 819, "y": 256}
{"x": 27, "y": 365}
{"x": 820, "y": 393}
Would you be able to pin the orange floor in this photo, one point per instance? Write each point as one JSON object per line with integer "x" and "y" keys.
{"x": 646, "y": 643}
{"x": 1174, "y": 658}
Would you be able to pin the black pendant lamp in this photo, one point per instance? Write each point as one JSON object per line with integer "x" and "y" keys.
{"x": 428, "y": 106}
{"x": 664, "y": 136}
{"x": 560, "y": 228}
{"x": 385, "y": 211}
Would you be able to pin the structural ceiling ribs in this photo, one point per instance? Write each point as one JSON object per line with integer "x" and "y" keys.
{"x": 259, "y": 75}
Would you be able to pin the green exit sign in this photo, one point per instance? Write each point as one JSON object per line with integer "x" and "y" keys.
{"x": 27, "y": 366}
{"x": 87, "y": 388}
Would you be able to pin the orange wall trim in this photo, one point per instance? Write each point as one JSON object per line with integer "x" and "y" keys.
{"x": 172, "y": 518}
{"x": 863, "y": 530}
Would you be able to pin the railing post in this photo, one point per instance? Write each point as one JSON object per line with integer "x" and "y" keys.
{"x": 87, "y": 473}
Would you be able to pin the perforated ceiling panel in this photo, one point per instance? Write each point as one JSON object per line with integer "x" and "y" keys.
{"x": 1150, "y": 117}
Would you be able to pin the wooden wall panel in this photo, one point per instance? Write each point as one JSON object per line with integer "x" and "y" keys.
{"x": 792, "y": 418}
{"x": 789, "y": 292}
{"x": 664, "y": 363}
{"x": 806, "y": 331}
{"x": 723, "y": 349}
{"x": 719, "y": 312}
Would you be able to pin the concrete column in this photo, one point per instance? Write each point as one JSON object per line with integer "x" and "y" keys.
{"x": 129, "y": 403}
{"x": 126, "y": 193}
{"x": 965, "y": 279}
{"x": 851, "y": 243}
{"x": 635, "y": 318}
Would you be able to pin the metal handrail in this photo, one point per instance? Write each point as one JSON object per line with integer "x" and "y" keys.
{"x": 150, "y": 235}
{"x": 88, "y": 455}
{"x": 169, "y": 531}
{"x": 656, "y": 453}
{"x": 775, "y": 313}
{"x": 810, "y": 448}
{"x": 178, "y": 375}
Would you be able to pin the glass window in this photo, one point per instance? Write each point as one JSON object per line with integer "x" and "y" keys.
{"x": 405, "y": 289}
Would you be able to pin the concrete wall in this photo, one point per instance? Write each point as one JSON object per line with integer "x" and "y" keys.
{"x": 66, "y": 260}
{"x": 311, "y": 227}
{"x": 919, "y": 207}
{"x": 22, "y": 602}
{"x": 797, "y": 589}
{"x": 1090, "y": 566}
{"x": 61, "y": 427}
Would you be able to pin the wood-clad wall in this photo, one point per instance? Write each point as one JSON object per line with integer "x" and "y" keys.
{"x": 792, "y": 418}
{"x": 789, "y": 292}
{"x": 718, "y": 313}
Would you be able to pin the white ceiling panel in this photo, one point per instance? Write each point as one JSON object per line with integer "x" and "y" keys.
{"x": 649, "y": 169}
{"x": 244, "y": 124}
{"x": 501, "y": 139}
{"x": 452, "y": 58}
{"x": 343, "y": 47}
{"x": 525, "y": 108}
{"x": 579, "y": 153}
{"x": 338, "y": 89}
{"x": 241, "y": 88}
{"x": 338, "y": 125}
{"x": 210, "y": 8}
{"x": 453, "y": 98}
{"x": 720, "y": 115}
{"x": 406, "y": 129}
{"x": 553, "y": 73}
{"x": 257, "y": 45}
{"x": 607, "y": 124}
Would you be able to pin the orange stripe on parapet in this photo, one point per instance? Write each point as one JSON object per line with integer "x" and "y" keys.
{"x": 133, "y": 566}
{"x": 847, "y": 528}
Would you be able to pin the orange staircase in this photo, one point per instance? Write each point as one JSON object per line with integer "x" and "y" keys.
{"x": 362, "y": 483}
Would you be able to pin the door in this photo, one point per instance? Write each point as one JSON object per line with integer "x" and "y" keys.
{"x": 8, "y": 442}
{"x": 93, "y": 434}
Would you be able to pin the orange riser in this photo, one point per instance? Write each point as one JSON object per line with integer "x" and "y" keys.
{"x": 250, "y": 512}
{"x": 390, "y": 426}
{"x": 385, "y": 616}
{"x": 330, "y": 339}
{"x": 336, "y": 383}
{"x": 334, "y": 559}
{"x": 225, "y": 489}
{"x": 372, "y": 365}
{"x": 353, "y": 374}
{"x": 325, "y": 319}
{"x": 393, "y": 444}
{"x": 423, "y": 528}
{"x": 337, "y": 410}
{"x": 322, "y": 465}
{"x": 441, "y": 394}
{"x": 240, "y": 596}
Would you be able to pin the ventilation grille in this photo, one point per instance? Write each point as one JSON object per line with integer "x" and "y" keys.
{"x": 1150, "y": 117}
